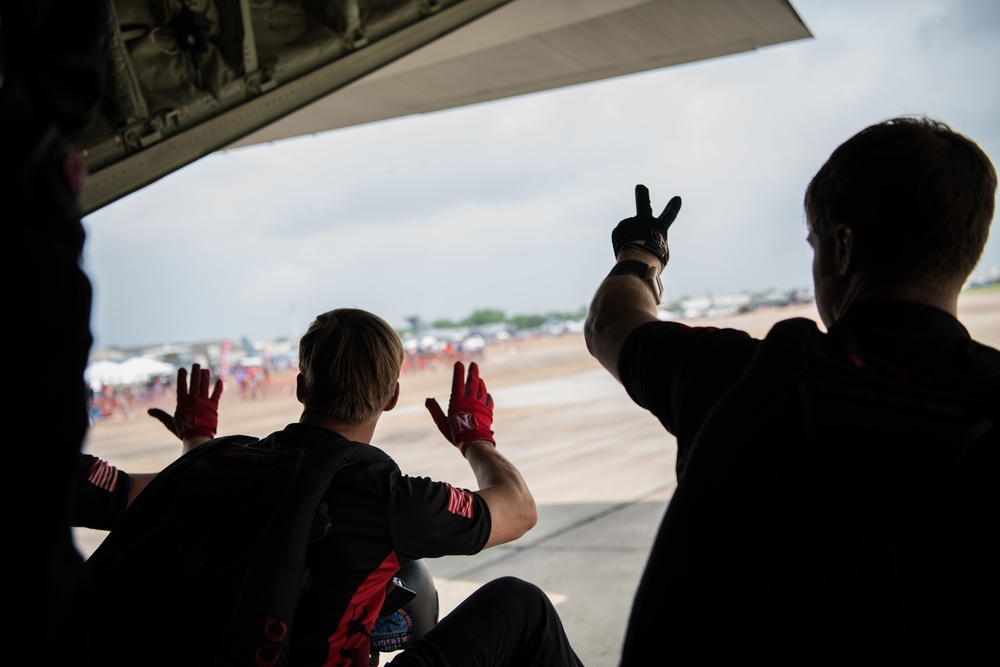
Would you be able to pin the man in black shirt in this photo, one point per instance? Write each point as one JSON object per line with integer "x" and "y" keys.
{"x": 836, "y": 491}
{"x": 280, "y": 550}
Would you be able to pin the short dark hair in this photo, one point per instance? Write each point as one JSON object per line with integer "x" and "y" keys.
{"x": 918, "y": 196}
{"x": 350, "y": 361}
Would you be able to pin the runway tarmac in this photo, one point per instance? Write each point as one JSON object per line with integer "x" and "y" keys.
{"x": 600, "y": 468}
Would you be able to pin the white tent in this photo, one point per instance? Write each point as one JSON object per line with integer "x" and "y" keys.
{"x": 136, "y": 370}
{"x": 104, "y": 372}
{"x": 143, "y": 369}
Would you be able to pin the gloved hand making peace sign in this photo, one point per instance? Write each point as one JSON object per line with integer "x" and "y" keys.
{"x": 643, "y": 231}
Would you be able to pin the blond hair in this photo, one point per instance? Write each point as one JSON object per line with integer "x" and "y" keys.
{"x": 350, "y": 361}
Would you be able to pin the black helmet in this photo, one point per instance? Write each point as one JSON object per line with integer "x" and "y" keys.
{"x": 410, "y": 609}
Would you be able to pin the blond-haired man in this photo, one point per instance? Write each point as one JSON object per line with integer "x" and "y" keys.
{"x": 281, "y": 550}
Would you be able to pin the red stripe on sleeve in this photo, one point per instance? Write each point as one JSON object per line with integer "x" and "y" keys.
{"x": 103, "y": 475}
{"x": 459, "y": 501}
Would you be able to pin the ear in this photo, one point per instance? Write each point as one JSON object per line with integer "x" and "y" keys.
{"x": 844, "y": 251}
{"x": 300, "y": 387}
{"x": 392, "y": 401}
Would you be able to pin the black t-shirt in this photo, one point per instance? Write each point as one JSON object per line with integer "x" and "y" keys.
{"x": 372, "y": 519}
{"x": 834, "y": 490}
{"x": 257, "y": 551}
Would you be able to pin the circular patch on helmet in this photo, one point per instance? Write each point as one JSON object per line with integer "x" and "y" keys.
{"x": 392, "y": 632}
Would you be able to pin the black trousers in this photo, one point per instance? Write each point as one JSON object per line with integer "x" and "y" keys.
{"x": 507, "y": 622}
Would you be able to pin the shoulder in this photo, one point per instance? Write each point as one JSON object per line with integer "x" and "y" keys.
{"x": 672, "y": 332}
{"x": 987, "y": 356}
{"x": 678, "y": 372}
{"x": 672, "y": 347}
{"x": 357, "y": 464}
{"x": 416, "y": 495}
{"x": 102, "y": 494}
{"x": 796, "y": 332}
{"x": 799, "y": 326}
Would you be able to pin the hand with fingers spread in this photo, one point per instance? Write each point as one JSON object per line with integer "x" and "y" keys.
{"x": 470, "y": 409}
{"x": 197, "y": 413}
{"x": 643, "y": 231}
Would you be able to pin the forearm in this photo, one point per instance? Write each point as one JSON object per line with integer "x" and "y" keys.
{"x": 192, "y": 442}
{"x": 620, "y": 305}
{"x": 512, "y": 507}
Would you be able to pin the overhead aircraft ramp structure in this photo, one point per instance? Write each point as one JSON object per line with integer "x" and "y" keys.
{"x": 188, "y": 78}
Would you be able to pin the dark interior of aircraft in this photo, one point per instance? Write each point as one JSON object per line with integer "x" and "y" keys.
{"x": 186, "y": 78}
{"x": 177, "y": 65}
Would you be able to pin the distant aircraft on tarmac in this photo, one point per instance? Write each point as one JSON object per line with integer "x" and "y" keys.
{"x": 186, "y": 79}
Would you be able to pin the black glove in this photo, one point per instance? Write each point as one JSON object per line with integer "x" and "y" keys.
{"x": 644, "y": 231}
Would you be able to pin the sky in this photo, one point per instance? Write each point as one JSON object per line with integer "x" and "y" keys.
{"x": 509, "y": 205}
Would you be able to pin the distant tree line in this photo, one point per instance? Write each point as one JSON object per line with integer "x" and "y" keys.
{"x": 488, "y": 316}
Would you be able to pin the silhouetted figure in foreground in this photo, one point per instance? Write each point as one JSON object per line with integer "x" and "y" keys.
{"x": 836, "y": 491}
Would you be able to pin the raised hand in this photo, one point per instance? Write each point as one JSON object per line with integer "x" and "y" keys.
{"x": 643, "y": 231}
{"x": 197, "y": 412}
{"x": 470, "y": 409}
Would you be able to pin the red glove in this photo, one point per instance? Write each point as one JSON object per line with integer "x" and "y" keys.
{"x": 197, "y": 413}
{"x": 470, "y": 410}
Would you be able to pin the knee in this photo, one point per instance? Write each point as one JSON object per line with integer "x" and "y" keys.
{"x": 516, "y": 593}
{"x": 513, "y": 586}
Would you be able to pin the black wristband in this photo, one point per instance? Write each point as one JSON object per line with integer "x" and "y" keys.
{"x": 643, "y": 271}
{"x": 656, "y": 247}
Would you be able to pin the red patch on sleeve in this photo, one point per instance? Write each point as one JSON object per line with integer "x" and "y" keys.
{"x": 103, "y": 475}
{"x": 459, "y": 501}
